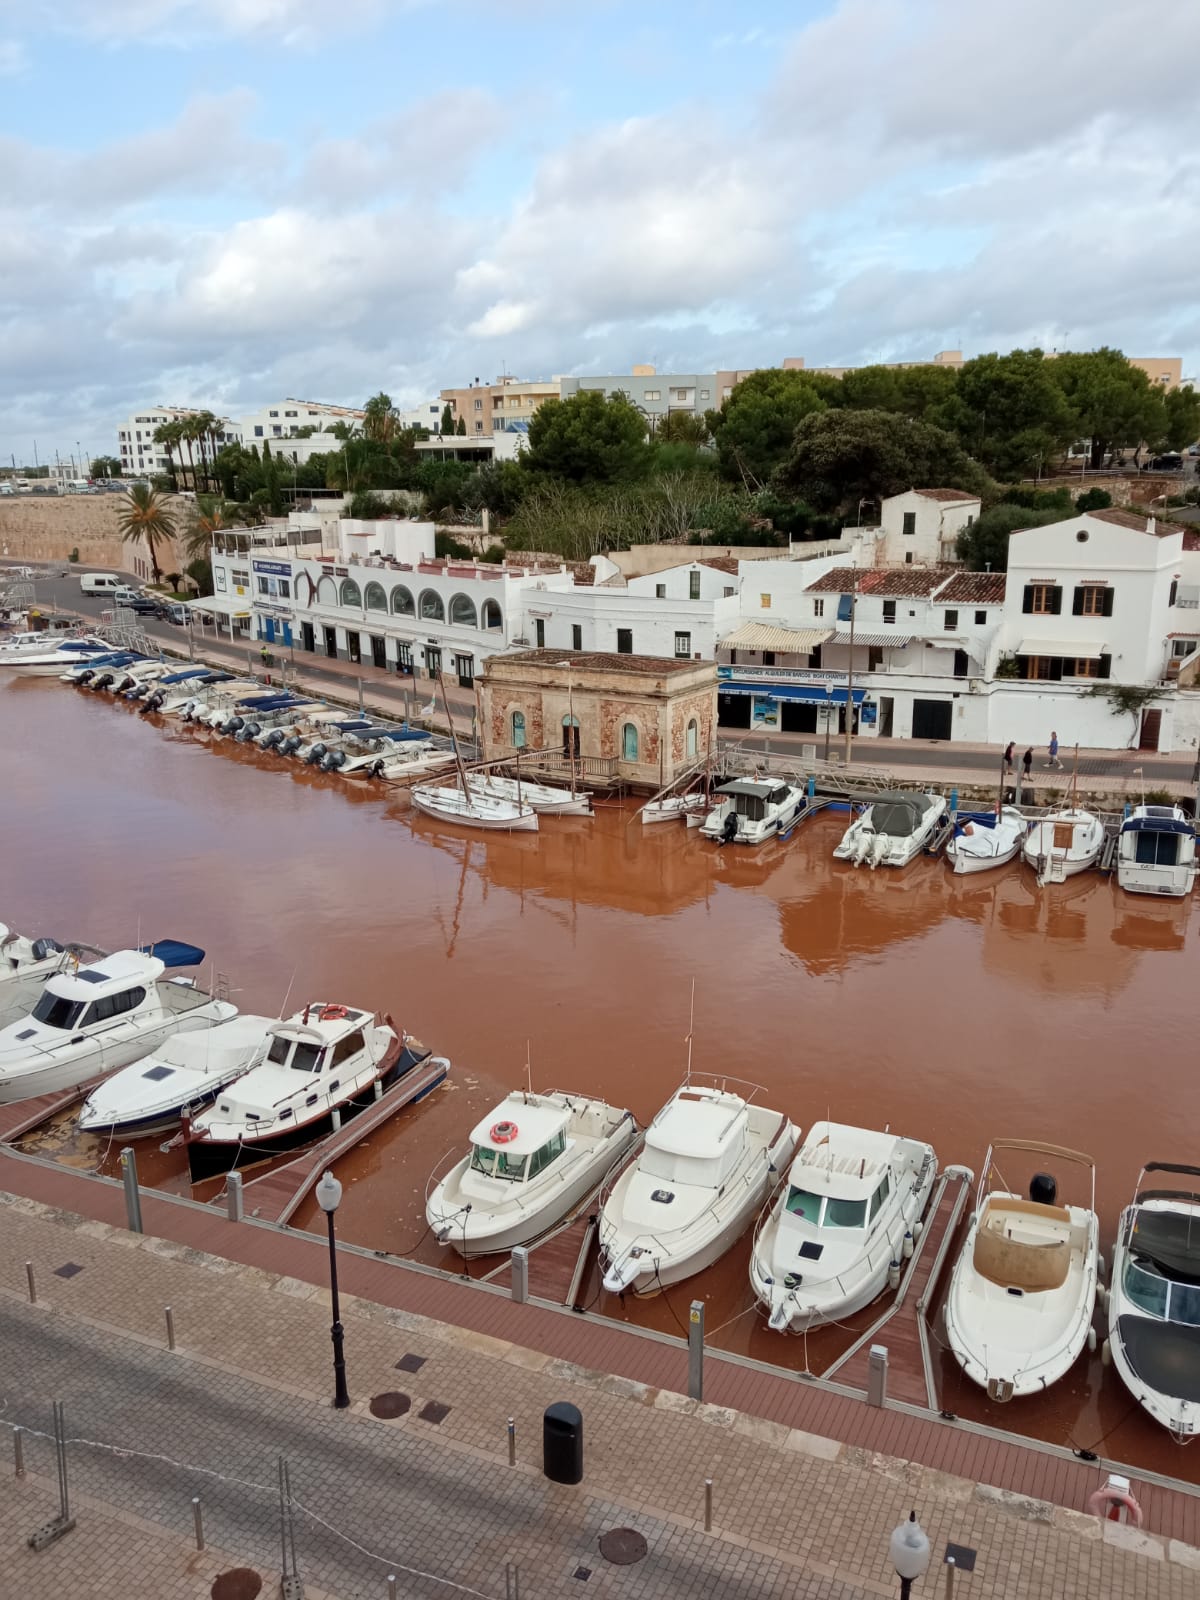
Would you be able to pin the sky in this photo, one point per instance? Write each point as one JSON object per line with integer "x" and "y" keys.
{"x": 225, "y": 202}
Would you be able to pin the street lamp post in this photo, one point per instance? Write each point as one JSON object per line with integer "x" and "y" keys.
{"x": 909, "y": 1550}
{"x": 850, "y": 670}
{"x": 329, "y": 1197}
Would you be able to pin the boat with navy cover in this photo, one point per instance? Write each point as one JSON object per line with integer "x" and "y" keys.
{"x": 892, "y": 829}
{"x": 1156, "y": 851}
{"x": 982, "y": 842}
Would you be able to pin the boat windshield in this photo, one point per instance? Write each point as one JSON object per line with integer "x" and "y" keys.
{"x": 57, "y": 1012}
{"x": 278, "y": 1053}
{"x": 837, "y": 1213}
{"x": 1159, "y": 1296}
{"x": 307, "y": 1057}
{"x": 498, "y": 1163}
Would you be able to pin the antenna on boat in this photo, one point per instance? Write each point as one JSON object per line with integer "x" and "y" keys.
{"x": 528, "y": 1069}
{"x": 288, "y": 995}
{"x": 691, "y": 1021}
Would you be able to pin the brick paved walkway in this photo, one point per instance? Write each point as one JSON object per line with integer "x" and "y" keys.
{"x": 795, "y": 1515}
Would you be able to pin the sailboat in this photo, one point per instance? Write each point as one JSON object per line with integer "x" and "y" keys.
{"x": 470, "y": 807}
{"x": 1065, "y": 841}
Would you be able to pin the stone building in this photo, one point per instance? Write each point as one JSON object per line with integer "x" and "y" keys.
{"x": 638, "y": 718}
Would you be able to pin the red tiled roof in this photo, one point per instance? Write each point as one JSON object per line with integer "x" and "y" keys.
{"x": 592, "y": 661}
{"x": 975, "y": 588}
{"x": 903, "y": 582}
{"x": 945, "y": 494}
{"x": 720, "y": 563}
{"x": 1123, "y": 519}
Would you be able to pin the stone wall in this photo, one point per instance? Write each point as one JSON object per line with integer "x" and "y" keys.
{"x": 48, "y": 529}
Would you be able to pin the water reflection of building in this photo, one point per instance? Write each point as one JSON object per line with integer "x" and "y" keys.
{"x": 1140, "y": 923}
{"x": 1057, "y": 939}
{"x": 846, "y": 913}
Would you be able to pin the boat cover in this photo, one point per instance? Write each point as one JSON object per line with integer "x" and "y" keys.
{"x": 181, "y": 677}
{"x": 898, "y": 815}
{"x": 1171, "y": 1239}
{"x": 1155, "y": 825}
{"x": 1165, "y": 1356}
{"x": 174, "y": 953}
{"x": 980, "y": 819}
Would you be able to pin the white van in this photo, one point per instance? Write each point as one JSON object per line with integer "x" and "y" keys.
{"x": 99, "y": 583}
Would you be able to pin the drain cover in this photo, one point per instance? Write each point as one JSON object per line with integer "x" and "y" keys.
{"x": 410, "y": 1363}
{"x": 622, "y": 1546}
{"x": 239, "y": 1583}
{"x": 389, "y": 1404}
{"x": 433, "y": 1411}
{"x": 68, "y": 1270}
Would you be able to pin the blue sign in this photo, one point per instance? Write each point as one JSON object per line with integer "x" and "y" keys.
{"x": 282, "y": 569}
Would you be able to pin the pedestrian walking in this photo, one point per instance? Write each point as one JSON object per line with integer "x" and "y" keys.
{"x": 1008, "y": 756}
{"x": 1027, "y": 764}
{"x": 1054, "y": 761}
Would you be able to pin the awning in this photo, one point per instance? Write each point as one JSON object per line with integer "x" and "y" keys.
{"x": 221, "y": 605}
{"x": 815, "y": 694}
{"x": 897, "y": 640}
{"x": 1081, "y": 650}
{"x": 769, "y": 636}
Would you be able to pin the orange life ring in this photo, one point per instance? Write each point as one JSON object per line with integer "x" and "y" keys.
{"x": 333, "y": 1011}
{"x": 502, "y": 1132}
{"x": 1104, "y": 1503}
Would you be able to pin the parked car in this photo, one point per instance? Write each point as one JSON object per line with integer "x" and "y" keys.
{"x": 176, "y": 613}
{"x": 147, "y": 606}
{"x": 1171, "y": 461}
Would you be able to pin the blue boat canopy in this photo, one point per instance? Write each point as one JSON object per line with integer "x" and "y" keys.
{"x": 1155, "y": 825}
{"x": 182, "y": 677}
{"x": 174, "y": 953}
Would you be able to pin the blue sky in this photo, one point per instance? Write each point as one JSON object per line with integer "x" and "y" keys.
{"x": 222, "y": 202}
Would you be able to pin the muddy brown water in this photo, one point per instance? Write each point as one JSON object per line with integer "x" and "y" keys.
{"x": 952, "y": 1009}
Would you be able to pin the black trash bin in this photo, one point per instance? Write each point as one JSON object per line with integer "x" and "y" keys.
{"x": 562, "y": 1443}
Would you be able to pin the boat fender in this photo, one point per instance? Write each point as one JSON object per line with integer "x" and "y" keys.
{"x": 893, "y": 1278}
{"x": 1102, "y": 1297}
{"x": 918, "y": 1228}
{"x": 1106, "y": 1501}
{"x": 502, "y": 1132}
{"x": 908, "y": 1245}
{"x": 1092, "y": 1340}
{"x": 1106, "y": 1353}
{"x": 1101, "y": 1269}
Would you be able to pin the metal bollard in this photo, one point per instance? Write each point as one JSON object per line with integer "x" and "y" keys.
{"x": 170, "y": 1328}
{"x": 133, "y": 1197}
{"x": 18, "y": 1452}
{"x": 30, "y": 1282}
{"x": 234, "y": 1197}
{"x": 520, "y": 1274}
{"x": 512, "y": 1441}
{"x": 391, "y": 1583}
{"x": 696, "y": 1351}
{"x": 877, "y": 1371}
{"x": 708, "y": 1505}
{"x": 198, "y": 1522}
{"x": 949, "y": 1578}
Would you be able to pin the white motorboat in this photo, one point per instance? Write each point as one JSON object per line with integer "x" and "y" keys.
{"x": 1156, "y": 851}
{"x": 473, "y": 810}
{"x": 173, "y": 691}
{"x": 17, "y": 646}
{"x": 51, "y": 661}
{"x": 1021, "y": 1300}
{"x": 180, "y": 1077}
{"x": 674, "y": 807}
{"x": 546, "y": 800}
{"x": 101, "y": 1017}
{"x": 326, "y": 734}
{"x": 843, "y": 1222}
{"x": 217, "y": 695}
{"x": 709, "y": 1161}
{"x": 752, "y": 810}
{"x": 406, "y": 763}
{"x": 892, "y": 829}
{"x": 82, "y": 669}
{"x": 1154, "y": 1301}
{"x": 532, "y": 1160}
{"x": 983, "y": 842}
{"x": 270, "y": 718}
{"x": 109, "y": 674}
{"x": 136, "y": 675}
{"x": 322, "y": 1066}
{"x": 1062, "y": 843}
{"x": 22, "y": 958}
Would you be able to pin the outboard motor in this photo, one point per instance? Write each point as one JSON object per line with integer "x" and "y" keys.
{"x": 316, "y": 754}
{"x": 1043, "y": 1189}
{"x": 231, "y": 725}
{"x": 86, "y": 675}
{"x": 152, "y": 703}
{"x": 42, "y": 948}
{"x": 248, "y": 731}
{"x": 290, "y": 745}
{"x": 334, "y": 760}
{"x": 375, "y": 770}
{"x": 138, "y": 690}
{"x": 273, "y": 739}
{"x": 729, "y": 828}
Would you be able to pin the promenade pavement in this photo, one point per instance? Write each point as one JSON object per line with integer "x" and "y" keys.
{"x": 430, "y": 1495}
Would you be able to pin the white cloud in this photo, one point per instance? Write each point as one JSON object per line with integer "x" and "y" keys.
{"x": 296, "y": 24}
{"x": 12, "y": 58}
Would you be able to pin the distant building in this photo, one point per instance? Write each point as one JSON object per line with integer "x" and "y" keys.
{"x": 655, "y": 394}
{"x": 286, "y": 418}
{"x": 487, "y": 408}
{"x": 139, "y": 455}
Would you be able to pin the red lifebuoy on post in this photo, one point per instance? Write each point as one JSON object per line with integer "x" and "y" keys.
{"x": 502, "y": 1132}
{"x": 1106, "y": 1501}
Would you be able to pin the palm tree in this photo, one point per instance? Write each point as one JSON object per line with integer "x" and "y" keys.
{"x": 165, "y": 434}
{"x": 145, "y": 517}
{"x": 381, "y": 420}
{"x": 187, "y": 433}
{"x": 209, "y": 520}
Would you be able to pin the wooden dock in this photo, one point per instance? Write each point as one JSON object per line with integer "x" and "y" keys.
{"x": 25, "y": 1115}
{"x": 276, "y": 1195}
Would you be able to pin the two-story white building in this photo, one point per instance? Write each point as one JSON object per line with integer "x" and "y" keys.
{"x": 917, "y": 528}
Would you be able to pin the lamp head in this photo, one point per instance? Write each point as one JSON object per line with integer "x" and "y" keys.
{"x": 909, "y": 1548}
{"x": 329, "y": 1192}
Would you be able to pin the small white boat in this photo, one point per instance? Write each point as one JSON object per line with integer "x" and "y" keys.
{"x": 173, "y": 692}
{"x": 1156, "y": 851}
{"x": 892, "y": 829}
{"x": 532, "y": 1160}
{"x": 101, "y": 1017}
{"x": 980, "y": 843}
{"x": 1023, "y": 1294}
{"x": 1062, "y": 843}
{"x": 371, "y": 752}
{"x": 322, "y": 1066}
{"x": 182, "y": 1075}
{"x": 473, "y": 810}
{"x": 22, "y": 958}
{"x": 752, "y": 810}
{"x": 709, "y": 1161}
{"x": 841, "y": 1225}
{"x": 545, "y": 799}
{"x": 1154, "y": 1300}
{"x": 674, "y": 807}
{"x": 51, "y": 661}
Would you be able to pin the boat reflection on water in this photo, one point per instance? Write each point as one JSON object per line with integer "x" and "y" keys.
{"x": 1142, "y": 924}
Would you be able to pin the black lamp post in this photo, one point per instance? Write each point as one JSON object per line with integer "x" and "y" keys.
{"x": 329, "y": 1197}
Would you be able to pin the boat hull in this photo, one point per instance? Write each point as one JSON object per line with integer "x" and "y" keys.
{"x": 1158, "y": 881}
{"x": 73, "y": 1071}
{"x": 518, "y": 822}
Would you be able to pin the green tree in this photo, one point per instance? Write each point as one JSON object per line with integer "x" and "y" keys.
{"x": 1115, "y": 404}
{"x": 209, "y": 516}
{"x": 755, "y": 426}
{"x": 590, "y": 438}
{"x": 200, "y": 572}
{"x": 841, "y": 457}
{"x": 381, "y": 420}
{"x": 461, "y": 429}
{"x": 984, "y": 545}
{"x": 499, "y": 486}
{"x": 872, "y": 389}
{"x": 1182, "y": 410}
{"x": 447, "y": 423}
{"x": 1093, "y": 500}
{"x": 1011, "y": 412}
{"x": 681, "y": 427}
{"x": 145, "y": 518}
{"x": 106, "y": 467}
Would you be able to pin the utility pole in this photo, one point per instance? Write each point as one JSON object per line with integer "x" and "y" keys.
{"x": 850, "y": 671}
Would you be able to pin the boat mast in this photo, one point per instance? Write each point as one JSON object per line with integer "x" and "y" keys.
{"x": 691, "y": 1021}
{"x": 462, "y": 771}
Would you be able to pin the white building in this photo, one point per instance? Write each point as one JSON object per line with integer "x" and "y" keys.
{"x": 285, "y": 418}
{"x": 918, "y": 528}
{"x": 140, "y": 456}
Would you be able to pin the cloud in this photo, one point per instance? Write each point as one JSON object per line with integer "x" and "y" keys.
{"x": 429, "y": 147}
{"x": 12, "y": 58}
{"x": 295, "y": 24}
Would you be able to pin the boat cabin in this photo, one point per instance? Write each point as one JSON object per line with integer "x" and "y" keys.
{"x": 1157, "y": 836}
{"x": 109, "y": 988}
{"x": 1162, "y": 1268}
{"x": 302, "y": 1051}
{"x": 751, "y": 798}
{"x": 696, "y": 1140}
{"x": 837, "y": 1188}
{"x": 517, "y": 1149}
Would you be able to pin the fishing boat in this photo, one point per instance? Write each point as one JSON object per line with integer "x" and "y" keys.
{"x": 545, "y": 799}
{"x": 752, "y": 810}
{"x": 1062, "y": 843}
{"x": 674, "y": 808}
{"x": 835, "y": 1235}
{"x": 1154, "y": 1300}
{"x": 709, "y": 1161}
{"x": 983, "y": 842}
{"x": 182, "y": 1075}
{"x": 1156, "y": 851}
{"x": 473, "y": 810}
{"x": 102, "y": 1016}
{"x": 533, "y": 1158}
{"x": 892, "y": 829}
{"x": 323, "y": 1066}
{"x": 1023, "y": 1294}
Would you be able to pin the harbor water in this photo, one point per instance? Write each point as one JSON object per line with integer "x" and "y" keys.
{"x": 952, "y": 1009}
